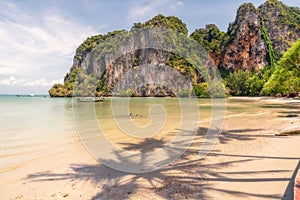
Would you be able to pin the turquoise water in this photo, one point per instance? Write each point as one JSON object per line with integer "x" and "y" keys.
{"x": 34, "y": 127}
{"x": 30, "y": 126}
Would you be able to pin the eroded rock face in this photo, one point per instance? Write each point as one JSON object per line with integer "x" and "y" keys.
{"x": 128, "y": 69}
{"x": 136, "y": 70}
{"x": 249, "y": 44}
{"x": 282, "y": 23}
{"x": 245, "y": 45}
{"x": 246, "y": 48}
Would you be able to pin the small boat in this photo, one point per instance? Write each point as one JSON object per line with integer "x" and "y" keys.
{"x": 31, "y": 95}
{"x": 90, "y": 99}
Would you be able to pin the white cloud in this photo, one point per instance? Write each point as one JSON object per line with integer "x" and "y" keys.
{"x": 143, "y": 10}
{"x": 175, "y": 6}
{"x": 40, "y": 82}
{"x": 60, "y": 81}
{"x": 31, "y": 45}
{"x": 9, "y": 81}
{"x": 12, "y": 81}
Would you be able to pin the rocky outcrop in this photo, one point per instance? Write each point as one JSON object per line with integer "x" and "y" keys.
{"x": 130, "y": 63}
{"x": 246, "y": 48}
{"x": 212, "y": 39}
{"x": 256, "y": 38}
{"x": 282, "y": 24}
{"x": 111, "y": 57}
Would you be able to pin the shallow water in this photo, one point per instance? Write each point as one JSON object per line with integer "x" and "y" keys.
{"x": 34, "y": 127}
{"x": 30, "y": 126}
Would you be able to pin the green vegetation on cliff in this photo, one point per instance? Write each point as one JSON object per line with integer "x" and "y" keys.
{"x": 160, "y": 21}
{"x": 286, "y": 78}
{"x": 241, "y": 12}
{"x": 285, "y": 15}
{"x": 264, "y": 33}
{"x": 282, "y": 23}
{"x": 105, "y": 44}
{"x": 91, "y": 42}
{"x": 211, "y": 38}
{"x": 271, "y": 53}
{"x": 245, "y": 83}
{"x": 58, "y": 90}
{"x": 283, "y": 80}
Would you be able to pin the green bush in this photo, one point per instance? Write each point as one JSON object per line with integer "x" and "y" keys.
{"x": 126, "y": 93}
{"x": 184, "y": 93}
{"x": 236, "y": 82}
{"x": 58, "y": 90}
{"x": 201, "y": 90}
{"x": 245, "y": 83}
{"x": 286, "y": 78}
{"x": 217, "y": 89}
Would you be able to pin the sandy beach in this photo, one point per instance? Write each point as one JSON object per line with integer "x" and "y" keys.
{"x": 248, "y": 162}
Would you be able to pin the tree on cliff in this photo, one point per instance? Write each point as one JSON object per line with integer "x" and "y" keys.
{"x": 286, "y": 78}
{"x": 159, "y": 21}
{"x": 245, "y": 55}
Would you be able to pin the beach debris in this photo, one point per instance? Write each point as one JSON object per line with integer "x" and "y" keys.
{"x": 288, "y": 133}
{"x": 135, "y": 115}
{"x": 19, "y": 197}
{"x": 65, "y": 194}
{"x": 90, "y": 99}
{"x": 292, "y": 115}
{"x": 289, "y": 115}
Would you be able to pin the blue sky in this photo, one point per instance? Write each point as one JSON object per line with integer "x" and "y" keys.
{"x": 38, "y": 38}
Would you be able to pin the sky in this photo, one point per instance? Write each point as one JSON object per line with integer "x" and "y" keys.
{"x": 38, "y": 39}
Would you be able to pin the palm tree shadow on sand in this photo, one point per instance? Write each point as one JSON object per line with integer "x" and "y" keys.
{"x": 186, "y": 178}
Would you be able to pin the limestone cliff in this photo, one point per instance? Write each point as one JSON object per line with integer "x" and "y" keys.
{"x": 256, "y": 38}
{"x": 282, "y": 24}
{"x": 246, "y": 48}
{"x": 120, "y": 59}
{"x": 212, "y": 39}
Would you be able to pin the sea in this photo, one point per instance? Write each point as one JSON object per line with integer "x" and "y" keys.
{"x": 30, "y": 126}
{"x": 34, "y": 127}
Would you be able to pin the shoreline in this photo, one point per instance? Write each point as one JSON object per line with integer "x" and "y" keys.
{"x": 267, "y": 98}
{"x": 248, "y": 161}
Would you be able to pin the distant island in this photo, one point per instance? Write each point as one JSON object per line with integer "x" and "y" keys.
{"x": 259, "y": 55}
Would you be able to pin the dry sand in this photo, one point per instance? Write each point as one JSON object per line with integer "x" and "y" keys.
{"x": 248, "y": 162}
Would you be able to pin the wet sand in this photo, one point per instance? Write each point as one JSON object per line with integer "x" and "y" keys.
{"x": 248, "y": 162}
